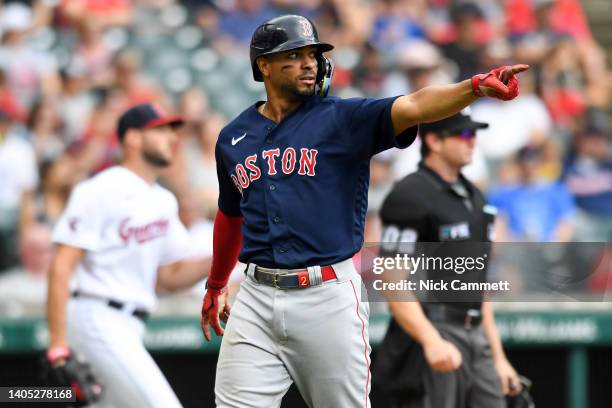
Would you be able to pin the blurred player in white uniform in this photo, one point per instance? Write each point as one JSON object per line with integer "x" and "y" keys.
{"x": 120, "y": 239}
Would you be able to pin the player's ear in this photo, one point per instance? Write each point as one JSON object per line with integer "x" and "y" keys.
{"x": 132, "y": 138}
{"x": 263, "y": 64}
{"x": 434, "y": 142}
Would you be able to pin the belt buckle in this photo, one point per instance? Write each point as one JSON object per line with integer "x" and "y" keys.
{"x": 275, "y": 281}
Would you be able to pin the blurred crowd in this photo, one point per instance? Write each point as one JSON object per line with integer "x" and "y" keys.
{"x": 69, "y": 68}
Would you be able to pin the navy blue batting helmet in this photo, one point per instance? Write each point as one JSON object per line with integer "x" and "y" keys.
{"x": 285, "y": 33}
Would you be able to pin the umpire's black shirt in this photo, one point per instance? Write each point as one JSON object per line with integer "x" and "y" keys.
{"x": 423, "y": 208}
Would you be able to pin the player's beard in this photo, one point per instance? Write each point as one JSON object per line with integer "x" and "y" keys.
{"x": 293, "y": 89}
{"x": 155, "y": 159}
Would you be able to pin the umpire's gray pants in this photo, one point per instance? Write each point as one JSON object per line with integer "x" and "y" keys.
{"x": 316, "y": 337}
{"x": 475, "y": 384}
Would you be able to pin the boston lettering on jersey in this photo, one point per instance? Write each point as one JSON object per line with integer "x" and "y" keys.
{"x": 301, "y": 184}
{"x": 143, "y": 233}
{"x": 245, "y": 174}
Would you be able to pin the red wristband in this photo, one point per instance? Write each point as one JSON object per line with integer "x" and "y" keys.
{"x": 476, "y": 84}
{"x": 55, "y": 353}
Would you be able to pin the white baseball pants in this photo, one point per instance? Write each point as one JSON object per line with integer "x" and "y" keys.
{"x": 316, "y": 337}
{"x": 112, "y": 341}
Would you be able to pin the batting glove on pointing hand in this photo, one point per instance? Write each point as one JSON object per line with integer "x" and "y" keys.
{"x": 214, "y": 306}
{"x": 500, "y": 83}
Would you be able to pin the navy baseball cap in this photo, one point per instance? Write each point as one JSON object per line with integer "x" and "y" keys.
{"x": 456, "y": 123}
{"x": 145, "y": 116}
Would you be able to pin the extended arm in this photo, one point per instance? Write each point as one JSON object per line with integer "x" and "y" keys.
{"x": 434, "y": 103}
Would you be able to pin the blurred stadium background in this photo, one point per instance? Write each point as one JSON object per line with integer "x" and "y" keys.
{"x": 68, "y": 68}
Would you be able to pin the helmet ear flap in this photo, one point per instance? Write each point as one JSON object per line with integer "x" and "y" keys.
{"x": 324, "y": 75}
{"x": 257, "y": 75}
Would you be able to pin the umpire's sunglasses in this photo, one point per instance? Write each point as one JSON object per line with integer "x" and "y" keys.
{"x": 465, "y": 134}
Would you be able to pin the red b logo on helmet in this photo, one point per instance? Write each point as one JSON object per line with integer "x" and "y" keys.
{"x": 306, "y": 28}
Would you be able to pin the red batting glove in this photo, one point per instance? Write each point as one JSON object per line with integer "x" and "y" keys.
{"x": 211, "y": 312}
{"x": 501, "y": 83}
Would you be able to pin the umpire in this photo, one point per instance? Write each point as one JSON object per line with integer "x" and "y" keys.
{"x": 444, "y": 353}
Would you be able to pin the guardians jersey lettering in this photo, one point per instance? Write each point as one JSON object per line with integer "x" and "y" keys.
{"x": 301, "y": 184}
{"x": 143, "y": 233}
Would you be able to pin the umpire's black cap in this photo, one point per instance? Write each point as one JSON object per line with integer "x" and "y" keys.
{"x": 284, "y": 33}
{"x": 145, "y": 116}
{"x": 456, "y": 123}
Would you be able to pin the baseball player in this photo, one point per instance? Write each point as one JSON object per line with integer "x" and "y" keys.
{"x": 120, "y": 239}
{"x": 444, "y": 352}
{"x": 293, "y": 175}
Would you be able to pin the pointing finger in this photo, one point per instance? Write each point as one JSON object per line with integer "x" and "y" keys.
{"x": 508, "y": 72}
{"x": 517, "y": 69}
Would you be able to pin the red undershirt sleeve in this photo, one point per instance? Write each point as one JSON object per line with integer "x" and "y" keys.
{"x": 227, "y": 242}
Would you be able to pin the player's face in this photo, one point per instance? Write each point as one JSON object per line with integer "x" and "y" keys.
{"x": 294, "y": 71}
{"x": 158, "y": 145}
{"x": 458, "y": 148}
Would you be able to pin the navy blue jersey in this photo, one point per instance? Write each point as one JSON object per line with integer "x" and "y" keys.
{"x": 302, "y": 184}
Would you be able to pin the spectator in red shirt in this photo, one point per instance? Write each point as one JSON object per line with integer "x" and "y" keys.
{"x": 564, "y": 16}
{"x": 8, "y": 101}
{"x": 104, "y": 12}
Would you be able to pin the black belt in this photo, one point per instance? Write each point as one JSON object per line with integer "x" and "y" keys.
{"x": 141, "y": 314}
{"x": 469, "y": 319}
{"x": 291, "y": 279}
